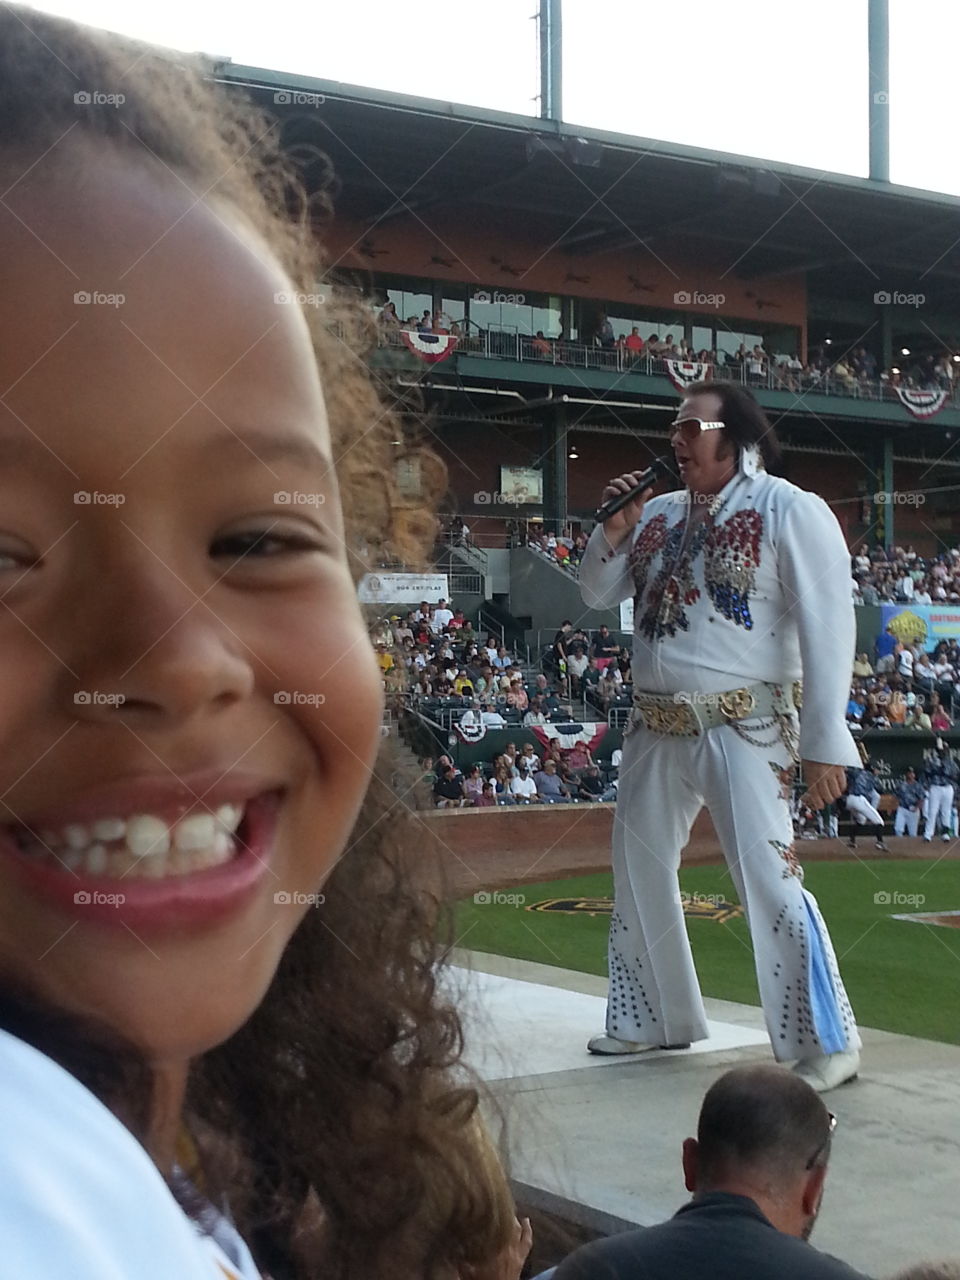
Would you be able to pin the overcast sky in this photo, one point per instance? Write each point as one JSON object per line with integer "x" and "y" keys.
{"x": 778, "y": 79}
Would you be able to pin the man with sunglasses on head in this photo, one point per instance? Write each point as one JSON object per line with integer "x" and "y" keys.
{"x": 735, "y": 578}
{"x": 756, "y": 1170}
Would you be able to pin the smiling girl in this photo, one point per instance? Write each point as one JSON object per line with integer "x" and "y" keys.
{"x": 217, "y": 986}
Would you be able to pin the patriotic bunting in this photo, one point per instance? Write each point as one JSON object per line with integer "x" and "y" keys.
{"x": 684, "y": 372}
{"x": 472, "y": 731}
{"x": 431, "y": 347}
{"x": 922, "y": 404}
{"x": 568, "y": 735}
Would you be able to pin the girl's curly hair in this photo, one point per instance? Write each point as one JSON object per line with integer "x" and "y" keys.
{"x": 337, "y": 1121}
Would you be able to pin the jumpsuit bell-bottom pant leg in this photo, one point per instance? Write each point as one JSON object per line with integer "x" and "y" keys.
{"x": 654, "y": 994}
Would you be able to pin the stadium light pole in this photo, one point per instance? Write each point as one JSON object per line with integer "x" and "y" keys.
{"x": 551, "y": 60}
{"x": 878, "y": 80}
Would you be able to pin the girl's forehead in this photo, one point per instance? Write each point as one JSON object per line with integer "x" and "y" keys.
{"x": 170, "y": 312}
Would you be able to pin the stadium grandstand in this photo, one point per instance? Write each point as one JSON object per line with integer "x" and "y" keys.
{"x": 546, "y": 291}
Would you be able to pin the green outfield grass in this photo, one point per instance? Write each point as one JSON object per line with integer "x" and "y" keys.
{"x": 900, "y": 976}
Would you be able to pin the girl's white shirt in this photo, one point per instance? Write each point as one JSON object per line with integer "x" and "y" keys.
{"x": 80, "y": 1197}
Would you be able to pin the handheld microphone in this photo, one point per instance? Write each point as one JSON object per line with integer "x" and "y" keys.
{"x": 659, "y": 466}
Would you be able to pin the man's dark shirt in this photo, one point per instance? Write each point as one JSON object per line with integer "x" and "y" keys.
{"x": 720, "y": 1236}
{"x": 604, "y": 646}
{"x": 449, "y": 788}
{"x": 592, "y": 783}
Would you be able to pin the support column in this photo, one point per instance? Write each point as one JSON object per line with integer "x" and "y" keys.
{"x": 889, "y": 505}
{"x": 551, "y": 60}
{"x": 878, "y": 81}
{"x": 555, "y": 469}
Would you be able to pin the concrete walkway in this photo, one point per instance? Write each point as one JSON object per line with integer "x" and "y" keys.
{"x": 599, "y": 1138}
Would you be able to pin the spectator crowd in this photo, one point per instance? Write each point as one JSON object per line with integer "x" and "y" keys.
{"x": 900, "y": 575}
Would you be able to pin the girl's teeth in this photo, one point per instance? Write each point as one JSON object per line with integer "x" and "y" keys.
{"x": 95, "y": 860}
{"x": 77, "y": 837}
{"x": 143, "y": 845}
{"x": 229, "y": 816}
{"x": 109, "y": 829}
{"x": 147, "y": 835}
{"x": 196, "y": 832}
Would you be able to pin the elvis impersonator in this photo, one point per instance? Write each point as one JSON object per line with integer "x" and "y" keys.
{"x": 741, "y": 587}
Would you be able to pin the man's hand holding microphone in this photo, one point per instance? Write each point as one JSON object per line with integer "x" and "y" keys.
{"x": 623, "y": 501}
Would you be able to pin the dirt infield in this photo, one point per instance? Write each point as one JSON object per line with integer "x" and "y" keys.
{"x": 503, "y": 847}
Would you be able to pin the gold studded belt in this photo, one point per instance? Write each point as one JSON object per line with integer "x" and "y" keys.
{"x": 688, "y": 715}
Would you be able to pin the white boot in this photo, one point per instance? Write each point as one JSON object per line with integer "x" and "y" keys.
{"x": 610, "y": 1045}
{"x": 828, "y": 1070}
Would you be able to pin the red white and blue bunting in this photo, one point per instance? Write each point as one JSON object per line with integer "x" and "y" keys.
{"x": 684, "y": 372}
{"x": 431, "y": 347}
{"x": 922, "y": 404}
{"x": 473, "y": 730}
{"x": 568, "y": 735}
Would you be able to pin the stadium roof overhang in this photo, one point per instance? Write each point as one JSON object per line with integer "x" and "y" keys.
{"x": 589, "y": 191}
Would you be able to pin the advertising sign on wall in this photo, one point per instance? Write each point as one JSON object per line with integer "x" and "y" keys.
{"x": 403, "y": 588}
{"x": 926, "y": 624}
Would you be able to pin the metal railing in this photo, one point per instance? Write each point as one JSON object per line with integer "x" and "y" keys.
{"x": 465, "y": 584}
{"x": 489, "y": 626}
{"x": 475, "y": 557}
{"x": 493, "y": 344}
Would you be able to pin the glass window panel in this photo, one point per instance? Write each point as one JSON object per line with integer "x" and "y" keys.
{"x": 702, "y": 339}
{"x": 728, "y": 340}
{"x": 410, "y": 304}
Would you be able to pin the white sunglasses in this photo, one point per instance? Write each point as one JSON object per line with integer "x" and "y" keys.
{"x": 681, "y": 423}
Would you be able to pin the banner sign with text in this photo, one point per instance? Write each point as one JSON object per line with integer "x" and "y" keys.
{"x": 927, "y": 624}
{"x": 403, "y": 588}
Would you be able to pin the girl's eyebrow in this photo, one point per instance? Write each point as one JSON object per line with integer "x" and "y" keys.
{"x": 257, "y": 445}
{"x": 268, "y": 446}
